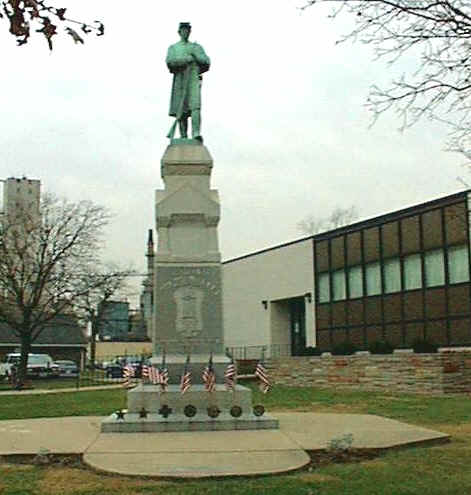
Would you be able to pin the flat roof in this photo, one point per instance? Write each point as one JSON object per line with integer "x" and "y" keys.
{"x": 369, "y": 222}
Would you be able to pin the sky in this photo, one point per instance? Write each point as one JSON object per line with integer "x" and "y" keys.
{"x": 283, "y": 116}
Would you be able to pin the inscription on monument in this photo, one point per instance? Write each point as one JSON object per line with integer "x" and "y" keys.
{"x": 189, "y": 302}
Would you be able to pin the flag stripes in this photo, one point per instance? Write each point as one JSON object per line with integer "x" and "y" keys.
{"x": 185, "y": 382}
{"x": 262, "y": 375}
{"x": 128, "y": 374}
{"x": 230, "y": 376}
{"x": 163, "y": 379}
{"x": 154, "y": 375}
{"x": 209, "y": 377}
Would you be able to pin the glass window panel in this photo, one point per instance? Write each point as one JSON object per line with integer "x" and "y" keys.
{"x": 338, "y": 285}
{"x": 392, "y": 275}
{"x": 355, "y": 281}
{"x": 412, "y": 272}
{"x": 324, "y": 287}
{"x": 458, "y": 264}
{"x": 373, "y": 279}
{"x": 434, "y": 268}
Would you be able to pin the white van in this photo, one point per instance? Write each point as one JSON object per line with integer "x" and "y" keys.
{"x": 39, "y": 365}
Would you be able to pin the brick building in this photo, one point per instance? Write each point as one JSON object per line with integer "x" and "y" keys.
{"x": 395, "y": 277}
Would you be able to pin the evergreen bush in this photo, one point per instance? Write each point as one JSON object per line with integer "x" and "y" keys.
{"x": 423, "y": 346}
{"x": 381, "y": 347}
{"x": 344, "y": 349}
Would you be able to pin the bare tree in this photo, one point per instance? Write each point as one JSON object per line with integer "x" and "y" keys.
{"x": 24, "y": 14}
{"x": 339, "y": 217}
{"x": 437, "y": 34}
{"x": 105, "y": 283}
{"x": 48, "y": 261}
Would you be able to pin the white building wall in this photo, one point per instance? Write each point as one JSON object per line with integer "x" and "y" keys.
{"x": 273, "y": 275}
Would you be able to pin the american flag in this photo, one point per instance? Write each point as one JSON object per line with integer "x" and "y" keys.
{"x": 185, "y": 383}
{"x": 262, "y": 375}
{"x": 153, "y": 375}
{"x": 128, "y": 374}
{"x": 145, "y": 372}
{"x": 230, "y": 376}
{"x": 163, "y": 378}
{"x": 209, "y": 377}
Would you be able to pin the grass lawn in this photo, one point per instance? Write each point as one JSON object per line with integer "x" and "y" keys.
{"x": 439, "y": 470}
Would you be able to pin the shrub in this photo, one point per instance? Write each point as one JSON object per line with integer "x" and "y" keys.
{"x": 381, "y": 347}
{"x": 344, "y": 349}
{"x": 422, "y": 346}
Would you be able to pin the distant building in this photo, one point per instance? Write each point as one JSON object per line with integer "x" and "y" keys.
{"x": 61, "y": 338}
{"x": 21, "y": 196}
{"x": 137, "y": 326}
{"x": 114, "y": 320}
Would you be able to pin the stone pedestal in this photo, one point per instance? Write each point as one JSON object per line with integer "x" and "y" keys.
{"x": 188, "y": 279}
{"x": 187, "y": 306}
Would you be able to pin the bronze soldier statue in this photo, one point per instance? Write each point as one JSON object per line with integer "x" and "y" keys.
{"x": 186, "y": 61}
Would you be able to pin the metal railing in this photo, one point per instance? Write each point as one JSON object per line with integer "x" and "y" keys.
{"x": 258, "y": 352}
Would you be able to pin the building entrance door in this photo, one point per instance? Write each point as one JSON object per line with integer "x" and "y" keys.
{"x": 297, "y": 311}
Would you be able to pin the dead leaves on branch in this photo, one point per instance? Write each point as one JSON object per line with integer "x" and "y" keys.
{"x": 22, "y": 13}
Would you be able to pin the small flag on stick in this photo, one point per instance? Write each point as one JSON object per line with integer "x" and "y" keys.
{"x": 163, "y": 375}
{"x": 262, "y": 375}
{"x": 230, "y": 376}
{"x": 145, "y": 373}
{"x": 209, "y": 377}
{"x": 154, "y": 375}
{"x": 185, "y": 383}
{"x": 128, "y": 374}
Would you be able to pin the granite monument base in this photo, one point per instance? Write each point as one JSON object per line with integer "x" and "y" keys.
{"x": 172, "y": 404}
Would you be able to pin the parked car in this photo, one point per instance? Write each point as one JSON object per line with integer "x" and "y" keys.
{"x": 67, "y": 368}
{"x": 115, "y": 368}
{"x": 38, "y": 366}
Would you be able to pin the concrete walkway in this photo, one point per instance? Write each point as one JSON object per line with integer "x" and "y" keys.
{"x": 205, "y": 454}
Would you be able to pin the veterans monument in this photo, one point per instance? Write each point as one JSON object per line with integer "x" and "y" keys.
{"x": 188, "y": 335}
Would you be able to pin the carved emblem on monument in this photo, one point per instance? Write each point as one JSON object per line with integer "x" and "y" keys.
{"x": 189, "y": 301}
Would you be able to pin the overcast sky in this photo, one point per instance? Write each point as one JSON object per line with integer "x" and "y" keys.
{"x": 283, "y": 117}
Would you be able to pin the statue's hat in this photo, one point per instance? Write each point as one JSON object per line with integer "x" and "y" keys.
{"x": 184, "y": 24}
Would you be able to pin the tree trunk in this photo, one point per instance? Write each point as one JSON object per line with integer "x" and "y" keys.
{"x": 21, "y": 373}
{"x": 93, "y": 342}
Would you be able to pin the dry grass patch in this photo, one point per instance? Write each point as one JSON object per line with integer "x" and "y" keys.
{"x": 312, "y": 477}
{"x": 58, "y": 481}
{"x": 320, "y": 407}
{"x": 374, "y": 463}
{"x": 7, "y": 468}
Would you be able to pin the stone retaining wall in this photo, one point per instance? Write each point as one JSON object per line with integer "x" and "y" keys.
{"x": 446, "y": 372}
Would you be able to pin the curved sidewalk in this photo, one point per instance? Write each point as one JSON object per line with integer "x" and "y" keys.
{"x": 206, "y": 454}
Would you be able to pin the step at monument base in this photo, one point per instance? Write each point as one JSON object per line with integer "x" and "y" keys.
{"x": 148, "y": 397}
{"x": 132, "y": 423}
